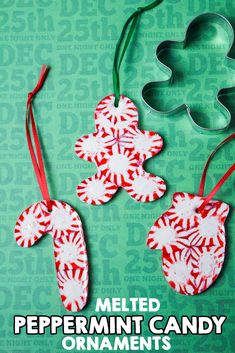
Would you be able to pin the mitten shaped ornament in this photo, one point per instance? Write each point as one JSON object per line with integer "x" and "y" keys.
{"x": 119, "y": 149}
{"x": 58, "y": 219}
{"x": 191, "y": 235}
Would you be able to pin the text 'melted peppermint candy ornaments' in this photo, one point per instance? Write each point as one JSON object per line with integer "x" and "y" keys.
{"x": 191, "y": 235}
{"x": 118, "y": 147}
{"x": 57, "y": 218}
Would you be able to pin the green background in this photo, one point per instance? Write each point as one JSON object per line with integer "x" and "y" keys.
{"x": 77, "y": 39}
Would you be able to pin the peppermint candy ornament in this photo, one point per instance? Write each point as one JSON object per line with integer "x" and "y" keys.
{"x": 57, "y": 218}
{"x": 118, "y": 147}
{"x": 191, "y": 235}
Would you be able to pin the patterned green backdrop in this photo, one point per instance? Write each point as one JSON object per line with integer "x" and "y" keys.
{"x": 77, "y": 39}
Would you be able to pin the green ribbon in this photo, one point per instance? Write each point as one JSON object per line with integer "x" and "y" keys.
{"x": 122, "y": 47}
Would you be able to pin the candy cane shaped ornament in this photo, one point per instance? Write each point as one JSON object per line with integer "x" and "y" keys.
{"x": 191, "y": 235}
{"x": 57, "y": 218}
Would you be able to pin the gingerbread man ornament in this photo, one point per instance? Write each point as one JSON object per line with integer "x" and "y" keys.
{"x": 119, "y": 149}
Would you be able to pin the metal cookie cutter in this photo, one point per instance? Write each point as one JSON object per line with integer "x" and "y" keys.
{"x": 149, "y": 90}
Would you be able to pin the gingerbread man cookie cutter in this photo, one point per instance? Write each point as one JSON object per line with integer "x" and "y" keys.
{"x": 149, "y": 88}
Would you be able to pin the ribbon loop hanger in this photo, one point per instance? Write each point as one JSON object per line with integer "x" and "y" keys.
{"x": 221, "y": 181}
{"x": 37, "y": 159}
{"x": 122, "y": 47}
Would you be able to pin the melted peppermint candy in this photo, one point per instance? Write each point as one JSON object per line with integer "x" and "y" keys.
{"x": 64, "y": 225}
{"x": 119, "y": 149}
{"x": 192, "y": 242}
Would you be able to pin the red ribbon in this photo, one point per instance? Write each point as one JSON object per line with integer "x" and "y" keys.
{"x": 37, "y": 159}
{"x": 220, "y": 182}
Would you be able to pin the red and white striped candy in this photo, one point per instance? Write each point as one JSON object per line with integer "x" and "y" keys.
{"x": 107, "y": 116}
{"x": 96, "y": 190}
{"x": 192, "y": 242}
{"x": 64, "y": 225}
{"x": 145, "y": 187}
{"x": 119, "y": 149}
